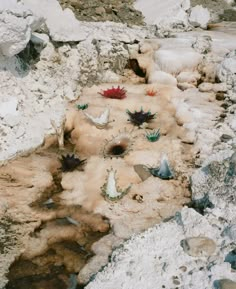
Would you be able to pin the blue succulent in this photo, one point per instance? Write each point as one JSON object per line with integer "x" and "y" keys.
{"x": 163, "y": 171}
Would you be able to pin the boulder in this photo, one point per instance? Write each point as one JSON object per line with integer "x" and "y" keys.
{"x": 62, "y": 24}
{"x": 16, "y": 26}
{"x": 226, "y": 71}
{"x": 170, "y": 14}
{"x": 199, "y": 17}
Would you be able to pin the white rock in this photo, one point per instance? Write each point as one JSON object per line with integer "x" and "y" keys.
{"x": 16, "y": 25}
{"x": 199, "y": 17}
{"x": 202, "y": 44}
{"x": 220, "y": 87}
{"x": 161, "y": 77}
{"x": 134, "y": 265}
{"x": 205, "y": 87}
{"x": 109, "y": 77}
{"x": 185, "y": 85}
{"x": 40, "y": 40}
{"x": 189, "y": 77}
{"x": 169, "y": 13}
{"x": 69, "y": 94}
{"x": 9, "y": 107}
{"x": 175, "y": 61}
{"x": 62, "y": 24}
{"x": 226, "y": 71}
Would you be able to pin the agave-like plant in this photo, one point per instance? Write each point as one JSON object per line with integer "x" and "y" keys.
{"x": 110, "y": 190}
{"x": 101, "y": 121}
{"x": 82, "y": 106}
{"x": 163, "y": 171}
{"x": 140, "y": 117}
{"x": 153, "y": 136}
{"x": 151, "y": 92}
{"x": 70, "y": 162}
{"x": 114, "y": 93}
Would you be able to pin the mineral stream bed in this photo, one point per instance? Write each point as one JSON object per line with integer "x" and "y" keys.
{"x": 118, "y": 146}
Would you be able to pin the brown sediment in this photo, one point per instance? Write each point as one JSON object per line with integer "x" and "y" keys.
{"x": 66, "y": 212}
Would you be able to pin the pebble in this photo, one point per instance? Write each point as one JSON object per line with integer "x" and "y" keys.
{"x": 224, "y": 284}
{"x": 198, "y": 246}
{"x": 142, "y": 172}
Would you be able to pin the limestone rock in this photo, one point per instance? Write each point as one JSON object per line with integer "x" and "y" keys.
{"x": 161, "y": 77}
{"x": 62, "y": 24}
{"x": 202, "y": 44}
{"x": 227, "y": 69}
{"x": 170, "y": 14}
{"x": 199, "y": 17}
{"x": 189, "y": 77}
{"x": 205, "y": 87}
{"x": 16, "y": 25}
{"x": 216, "y": 179}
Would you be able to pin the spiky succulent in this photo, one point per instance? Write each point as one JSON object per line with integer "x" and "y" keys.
{"x": 153, "y": 136}
{"x": 140, "y": 117}
{"x": 151, "y": 92}
{"x": 110, "y": 190}
{"x": 114, "y": 93}
{"x": 69, "y": 163}
{"x": 163, "y": 171}
{"x": 82, "y": 106}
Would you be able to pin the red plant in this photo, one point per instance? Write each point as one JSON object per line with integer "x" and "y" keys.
{"x": 151, "y": 92}
{"x": 114, "y": 93}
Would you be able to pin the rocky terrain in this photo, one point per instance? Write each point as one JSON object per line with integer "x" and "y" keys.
{"x": 132, "y": 191}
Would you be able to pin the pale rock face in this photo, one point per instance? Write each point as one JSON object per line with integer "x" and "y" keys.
{"x": 142, "y": 267}
{"x": 205, "y": 87}
{"x": 40, "y": 40}
{"x": 16, "y": 25}
{"x": 62, "y": 24}
{"x": 161, "y": 77}
{"x": 188, "y": 77}
{"x": 170, "y": 13}
{"x": 199, "y": 17}
{"x": 202, "y": 44}
{"x": 178, "y": 60}
{"x": 9, "y": 107}
{"x": 227, "y": 70}
{"x": 220, "y": 87}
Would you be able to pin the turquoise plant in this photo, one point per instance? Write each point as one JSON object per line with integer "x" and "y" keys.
{"x": 163, "y": 171}
{"x": 82, "y": 106}
{"x": 153, "y": 136}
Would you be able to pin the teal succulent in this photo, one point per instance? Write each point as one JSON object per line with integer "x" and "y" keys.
{"x": 153, "y": 136}
{"x": 82, "y": 106}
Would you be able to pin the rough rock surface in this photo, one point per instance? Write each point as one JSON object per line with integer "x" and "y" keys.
{"x": 227, "y": 70}
{"x": 199, "y": 16}
{"x": 16, "y": 26}
{"x": 216, "y": 7}
{"x": 169, "y": 15}
{"x": 115, "y": 10}
{"x": 142, "y": 267}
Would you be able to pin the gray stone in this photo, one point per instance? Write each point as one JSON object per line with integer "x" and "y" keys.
{"x": 224, "y": 284}
{"x": 198, "y": 246}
